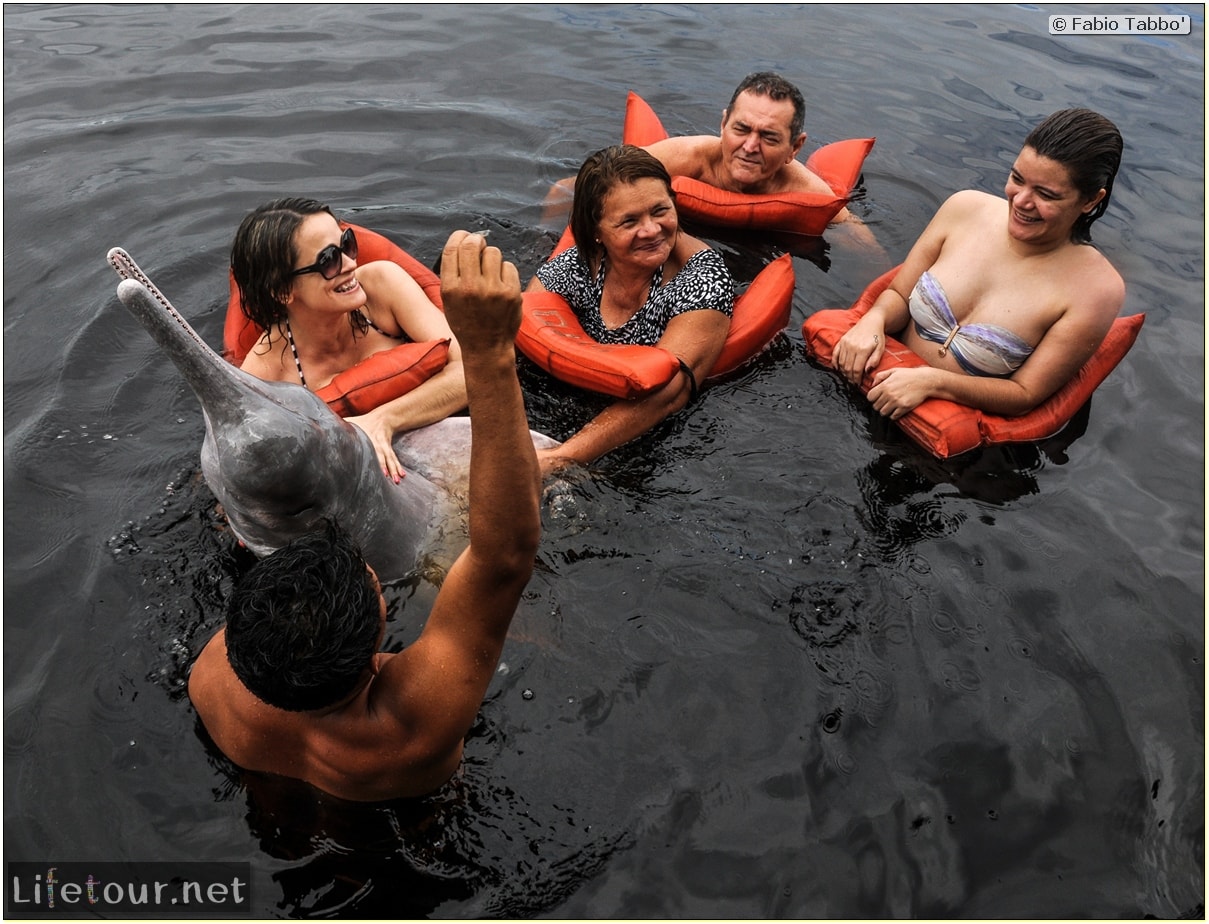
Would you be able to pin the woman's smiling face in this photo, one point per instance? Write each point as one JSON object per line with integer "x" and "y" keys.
{"x": 638, "y": 223}
{"x": 1043, "y": 202}
{"x": 310, "y": 289}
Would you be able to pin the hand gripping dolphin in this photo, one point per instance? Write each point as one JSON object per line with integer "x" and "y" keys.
{"x": 279, "y": 459}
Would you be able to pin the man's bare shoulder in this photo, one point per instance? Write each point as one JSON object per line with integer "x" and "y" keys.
{"x": 688, "y": 155}
{"x": 361, "y": 750}
{"x": 796, "y": 177}
{"x": 208, "y": 670}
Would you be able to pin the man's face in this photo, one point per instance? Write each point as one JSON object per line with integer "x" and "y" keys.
{"x": 756, "y": 142}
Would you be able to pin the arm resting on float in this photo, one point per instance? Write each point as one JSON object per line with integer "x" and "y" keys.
{"x": 860, "y": 350}
{"x": 1062, "y": 352}
{"x": 430, "y": 401}
{"x": 697, "y": 338}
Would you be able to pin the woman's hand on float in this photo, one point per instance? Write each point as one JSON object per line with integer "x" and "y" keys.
{"x": 859, "y": 350}
{"x": 898, "y": 391}
{"x": 380, "y": 435}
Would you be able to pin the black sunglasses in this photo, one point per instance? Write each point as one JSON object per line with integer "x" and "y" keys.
{"x": 331, "y": 257}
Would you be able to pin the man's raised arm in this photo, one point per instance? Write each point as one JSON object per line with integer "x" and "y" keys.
{"x": 442, "y": 677}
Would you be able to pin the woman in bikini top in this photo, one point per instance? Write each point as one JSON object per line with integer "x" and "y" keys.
{"x": 321, "y": 312}
{"x": 980, "y": 349}
{"x": 1004, "y": 298}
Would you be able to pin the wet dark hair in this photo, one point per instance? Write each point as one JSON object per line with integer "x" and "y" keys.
{"x": 1089, "y": 146}
{"x": 263, "y": 257}
{"x": 600, "y": 173}
{"x": 774, "y": 86}
{"x": 302, "y": 625}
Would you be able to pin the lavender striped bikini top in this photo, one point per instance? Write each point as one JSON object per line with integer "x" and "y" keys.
{"x": 980, "y": 349}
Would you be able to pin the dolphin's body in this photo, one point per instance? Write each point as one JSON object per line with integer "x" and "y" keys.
{"x": 279, "y": 459}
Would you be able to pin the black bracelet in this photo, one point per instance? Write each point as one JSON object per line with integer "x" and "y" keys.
{"x": 692, "y": 382}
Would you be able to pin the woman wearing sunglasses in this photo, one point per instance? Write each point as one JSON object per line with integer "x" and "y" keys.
{"x": 322, "y": 313}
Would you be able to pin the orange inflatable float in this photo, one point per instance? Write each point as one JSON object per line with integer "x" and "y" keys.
{"x": 946, "y": 428}
{"x": 551, "y": 335}
{"x": 839, "y": 164}
{"x": 382, "y": 377}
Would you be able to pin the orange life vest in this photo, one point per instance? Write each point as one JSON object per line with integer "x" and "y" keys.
{"x": 946, "y": 428}
{"x": 838, "y": 164}
{"x": 551, "y": 335}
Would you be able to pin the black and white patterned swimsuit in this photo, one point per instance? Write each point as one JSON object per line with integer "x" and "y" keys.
{"x": 704, "y": 282}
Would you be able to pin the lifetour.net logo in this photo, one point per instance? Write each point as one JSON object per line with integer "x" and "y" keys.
{"x": 101, "y": 890}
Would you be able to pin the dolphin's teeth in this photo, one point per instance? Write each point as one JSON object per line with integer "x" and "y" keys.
{"x": 125, "y": 266}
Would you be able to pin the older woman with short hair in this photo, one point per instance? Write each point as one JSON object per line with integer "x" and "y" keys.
{"x": 635, "y": 277}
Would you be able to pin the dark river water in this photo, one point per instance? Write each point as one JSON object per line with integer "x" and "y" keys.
{"x": 775, "y": 660}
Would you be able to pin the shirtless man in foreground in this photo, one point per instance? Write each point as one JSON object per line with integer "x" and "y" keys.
{"x": 295, "y": 684}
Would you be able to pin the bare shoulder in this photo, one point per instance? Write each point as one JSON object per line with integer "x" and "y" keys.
{"x": 201, "y": 674}
{"x": 266, "y": 360}
{"x": 687, "y": 155}
{"x": 687, "y": 247}
{"x": 963, "y": 216}
{"x": 970, "y": 204}
{"x": 382, "y": 275}
{"x": 796, "y": 177}
{"x": 213, "y": 687}
{"x": 412, "y": 694}
{"x": 1095, "y": 282}
{"x": 391, "y": 291}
